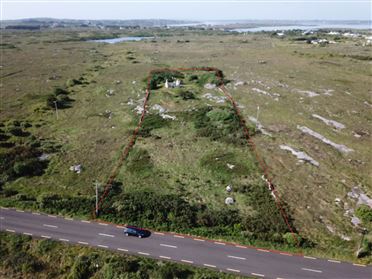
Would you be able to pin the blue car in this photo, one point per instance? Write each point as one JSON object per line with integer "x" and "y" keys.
{"x": 134, "y": 231}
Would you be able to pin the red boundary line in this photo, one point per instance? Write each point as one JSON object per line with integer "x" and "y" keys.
{"x": 251, "y": 144}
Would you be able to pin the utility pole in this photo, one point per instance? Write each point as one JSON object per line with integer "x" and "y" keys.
{"x": 55, "y": 105}
{"x": 258, "y": 111}
{"x": 96, "y": 183}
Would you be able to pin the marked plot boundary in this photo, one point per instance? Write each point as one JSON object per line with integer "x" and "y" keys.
{"x": 261, "y": 162}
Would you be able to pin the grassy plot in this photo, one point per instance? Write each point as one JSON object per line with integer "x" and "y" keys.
{"x": 187, "y": 154}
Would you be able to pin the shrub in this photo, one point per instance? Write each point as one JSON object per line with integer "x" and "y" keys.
{"x": 139, "y": 161}
{"x": 83, "y": 267}
{"x": 219, "y": 124}
{"x": 59, "y": 91}
{"x": 186, "y": 95}
{"x": 159, "y": 77}
{"x": 364, "y": 213}
{"x": 151, "y": 122}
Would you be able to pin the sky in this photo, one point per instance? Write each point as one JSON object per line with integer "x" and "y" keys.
{"x": 188, "y": 9}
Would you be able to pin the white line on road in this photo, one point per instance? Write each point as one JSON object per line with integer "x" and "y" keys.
{"x": 143, "y": 253}
{"x": 63, "y": 239}
{"x": 45, "y": 236}
{"x": 120, "y": 227}
{"x": 85, "y": 221}
{"x": 4, "y": 208}
{"x": 187, "y": 261}
{"x": 263, "y": 250}
{"x": 82, "y": 242}
{"x": 10, "y": 230}
{"x": 311, "y": 258}
{"x": 257, "y": 274}
{"x": 159, "y": 233}
{"x": 198, "y": 239}
{"x": 19, "y": 210}
{"x": 2, "y": 218}
{"x": 167, "y": 245}
{"x": 102, "y": 224}
{"x": 219, "y": 243}
{"x": 286, "y": 254}
{"x": 26, "y": 233}
{"x": 334, "y": 261}
{"x": 35, "y": 213}
{"x": 165, "y": 257}
{"x": 122, "y": 249}
{"x": 50, "y": 226}
{"x": 312, "y": 270}
{"x": 69, "y": 219}
{"x": 52, "y": 216}
{"x": 233, "y": 270}
{"x": 239, "y": 246}
{"x": 234, "y": 257}
{"x": 363, "y": 265}
{"x": 103, "y": 246}
{"x": 178, "y": 236}
{"x": 209, "y": 265}
{"x": 108, "y": 235}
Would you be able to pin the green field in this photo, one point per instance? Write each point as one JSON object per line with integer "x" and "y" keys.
{"x": 175, "y": 177}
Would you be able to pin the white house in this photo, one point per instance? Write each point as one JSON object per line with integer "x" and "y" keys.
{"x": 175, "y": 84}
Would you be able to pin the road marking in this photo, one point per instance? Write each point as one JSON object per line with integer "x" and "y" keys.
{"x": 263, "y": 250}
{"x": 45, "y": 236}
{"x": 167, "y": 245}
{"x": 102, "y": 224}
{"x": 219, "y": 243}
{"x": 258, "y": 274}
{"x": 159, "y": 233}
{"x": 311, "y": 258}
{"x": 198, "y": 239}
{"x": 63, "y": 239}
{"x": 26, "y": 233}
{"x": 2, "y": 218}
{"x": 103, "y": 246}
{"x": 35, "y": 213}
{"x": 85, "y": 221}
{"x": 108, "y": 235}
{"x": 120, "y": 227}
{"x": 4, "y": 208}
{"x": 122, "y": 249}
{"x": 312, "y": 270}
{"x": 52, "y": 216}
{"x": 239, "y": 246}
{"x": 82, "y": 242}
{"x": 50, "y": 226}
{"x": 363, "y": 265}
{"x": 69, "y": 219}
{"x": 19, "y": 210}
{"x": 187, "y": 261}
{"x": 233, "y": 270}
{"x": 234, "y": 257}
{"x": 165, "y": 257}
{"x": 286, "y": 254}
{"x": 209, "y": 265}
{"x": 178, "y": 236}
{"x": 10, "y": 230}
{"x": 334, "y": 261}
{"x": 143, "y": 253}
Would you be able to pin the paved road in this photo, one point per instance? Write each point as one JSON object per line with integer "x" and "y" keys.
{"x": 215, "y": 255}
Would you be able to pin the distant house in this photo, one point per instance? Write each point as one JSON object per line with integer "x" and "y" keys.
{"x": 175, "y": 84}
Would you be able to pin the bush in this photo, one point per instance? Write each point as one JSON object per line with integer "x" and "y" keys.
{"x": 151, "y": 122}
{"x": 159, "y": 77}
{"x": 186, "y": 95}
{"x": 219, "y": 124}
{"x": 60, "y": 91}
{"x": 83, "y": 267}
{"x": 364, "y": 213}
{"x": 139, "y": 162}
